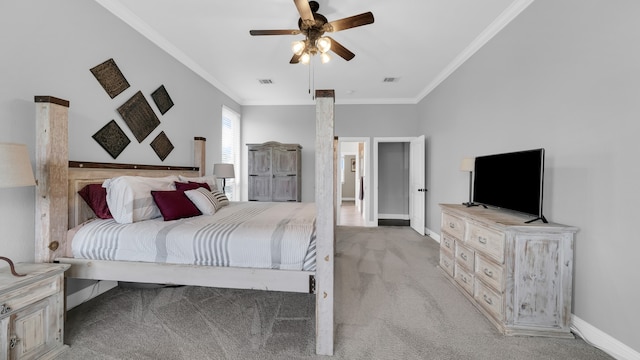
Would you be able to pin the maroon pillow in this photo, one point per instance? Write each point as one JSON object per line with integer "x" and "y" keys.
{"x": 191, "y": 185}
{"x": 96, "y": 197}
{"x": 174, "y": 204}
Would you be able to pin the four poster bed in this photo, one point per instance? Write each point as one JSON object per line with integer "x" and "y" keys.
{"x": 240, "y": 245}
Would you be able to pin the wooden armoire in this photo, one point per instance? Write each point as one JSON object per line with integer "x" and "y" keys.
{"x": 274, "y": 172}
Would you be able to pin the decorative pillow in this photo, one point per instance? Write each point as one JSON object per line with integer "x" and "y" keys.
{"x": 96, "y": 197}
{"x": 210, "y": 180}
{"x": 221, "y": 198}
{"x": 184, "y": 186}
{"x": 204, "y": 200}
{"x": 174, "y": 205}
{"x": 129, "y": 197}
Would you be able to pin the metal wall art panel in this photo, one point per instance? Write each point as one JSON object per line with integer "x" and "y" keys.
{"x": 139, "y": 116}
{"x": 110, "y": 77}
{"x": 162, "y": 99}
{"x": 112, "y": 138}
{"x": 162, "y": 145}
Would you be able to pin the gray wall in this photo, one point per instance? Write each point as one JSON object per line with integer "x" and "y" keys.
{"x": 48, "y": 48}
{"x": 393, "y": 180}
{"x": 349, "y": 185}
{"x": 564, "y": 75}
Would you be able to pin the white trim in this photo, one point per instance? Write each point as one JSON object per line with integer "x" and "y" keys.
{"x": 348, "y": 199}
{"x": 90, "y": 292}
{"x": 376, "y": 143}
{"x": 495, "y": 27}
{"x": 434, "y": 235}
{"x": 602, "y": 340}
{"x": 124, "y": 14}
{"x": 367, "y": 178}
{"x": 394, "y": 216}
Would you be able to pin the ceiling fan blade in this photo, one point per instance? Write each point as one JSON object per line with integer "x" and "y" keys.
{"x": 295, "y": 59}
{"x": 304, "y": 9}
{"x": 274, "y": 32}
{"x": 352, "y": 21}
{"x": 342, "y": 51}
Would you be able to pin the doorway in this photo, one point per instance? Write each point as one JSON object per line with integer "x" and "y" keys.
{"x": 352, "y": 181}
{"x": 398, "y": 180}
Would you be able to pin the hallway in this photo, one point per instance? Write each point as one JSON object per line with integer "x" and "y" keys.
{"x": 349, "y": 215}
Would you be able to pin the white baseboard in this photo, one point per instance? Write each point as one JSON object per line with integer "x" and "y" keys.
{"x": 601, "y": 340}
{"x": 89, "y": 293}
{"x": 348, "y": 199}
{"x": 394, "y": 216}
{"x": 432, "y": 234}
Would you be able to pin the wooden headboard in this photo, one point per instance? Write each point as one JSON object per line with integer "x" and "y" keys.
{"x": 83, "y": 173}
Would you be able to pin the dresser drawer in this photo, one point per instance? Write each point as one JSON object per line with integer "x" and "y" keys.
{"x": 489, "y": 272}
{"x": 446, "y": 262}
{"x": 453, "y": 225}
{"x": 464, "y": 256}
{"x": 447, "y": 243}
{"x": 488, "y": 241}
{"x": 19, "y": 298}
{"x": 464, "y": 278}
{"x": 489, "y": 300}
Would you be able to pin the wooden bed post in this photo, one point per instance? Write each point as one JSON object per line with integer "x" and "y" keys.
{"x": 200, "y": 154}
{"x": 52, "y": 156}
{"x": 325, "y": 232}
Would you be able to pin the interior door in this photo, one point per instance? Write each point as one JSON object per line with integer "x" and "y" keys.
{"x": 417, "y": 188}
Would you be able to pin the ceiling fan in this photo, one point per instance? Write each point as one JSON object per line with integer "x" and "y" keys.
{"x": 313, "y": 26}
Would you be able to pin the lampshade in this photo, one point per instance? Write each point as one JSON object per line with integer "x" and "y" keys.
{"x": 224, "y": 171}
{"x": 323, "y": 44}
{"x": 468, "y": 164}
{"x": 325, "y": 58}
{"x": 305, "y": 58}
{"x": 297, "y": 47}
{"x": 15, "y": 166}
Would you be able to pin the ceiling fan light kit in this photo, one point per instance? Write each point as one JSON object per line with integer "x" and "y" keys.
{"x": 313, "y": 26}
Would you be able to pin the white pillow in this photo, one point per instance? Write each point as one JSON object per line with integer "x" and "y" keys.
{"x": 211, "y": 180}
{"x": 129, "y": 197}
{"x": 203, "y": 199}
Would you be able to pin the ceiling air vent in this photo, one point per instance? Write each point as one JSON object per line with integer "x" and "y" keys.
{"x": 265, "y": 81}
{"x": 391, "y": 79}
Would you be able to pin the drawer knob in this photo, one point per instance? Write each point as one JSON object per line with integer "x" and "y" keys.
{"x": 488, "y": 272}
{"x": 452, "y": 225}
{"x": 13, "y": 341}
{"x": 4, "y": 309}
{"x": 487, "y": 299}
{"x": 463, "y": 256}
{"x": 482, "y": 240}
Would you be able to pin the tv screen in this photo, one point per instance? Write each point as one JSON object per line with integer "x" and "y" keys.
{"x": 510, "y": 181}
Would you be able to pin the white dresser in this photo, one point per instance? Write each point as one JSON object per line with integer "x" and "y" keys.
{"x": 32, "y": 312}
{"x": 518, "y": 275}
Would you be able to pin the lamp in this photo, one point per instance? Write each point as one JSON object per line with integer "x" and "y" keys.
{"x": 312, "y": 45}
{"x": 224, "y": 172}
{"x": 468, "y": 164}
{"x": 15, "y": 171}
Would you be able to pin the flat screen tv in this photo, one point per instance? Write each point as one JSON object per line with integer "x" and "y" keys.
{"x": 512, "y": 181}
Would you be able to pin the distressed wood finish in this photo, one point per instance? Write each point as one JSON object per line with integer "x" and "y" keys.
{"x": 32, "y": 312}
{"x": 81, "y": 174}
{"x": 51, "y": 177}
{"x": 520, "y": 275}
{"x": 200, "y": 154}
{"x": 325, "y": 207}
{"x": 194, "y": 275}
{"x": 274, "y": 172}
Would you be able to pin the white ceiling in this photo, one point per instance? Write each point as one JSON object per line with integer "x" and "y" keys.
{"x": 419, "y": 42}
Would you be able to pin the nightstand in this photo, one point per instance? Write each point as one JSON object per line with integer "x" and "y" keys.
{"x": 32, "y": 311}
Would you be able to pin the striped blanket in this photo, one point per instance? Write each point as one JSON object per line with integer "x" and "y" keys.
{"x": 242, "y": 234}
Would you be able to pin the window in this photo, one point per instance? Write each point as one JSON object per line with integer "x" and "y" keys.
{"x": 230, "y": 151}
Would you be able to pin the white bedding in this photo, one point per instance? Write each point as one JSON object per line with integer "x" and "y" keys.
{"x": 242, "y": 234}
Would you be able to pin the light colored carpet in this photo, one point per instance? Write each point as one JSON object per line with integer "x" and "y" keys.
{"x": 392, "y": 302}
